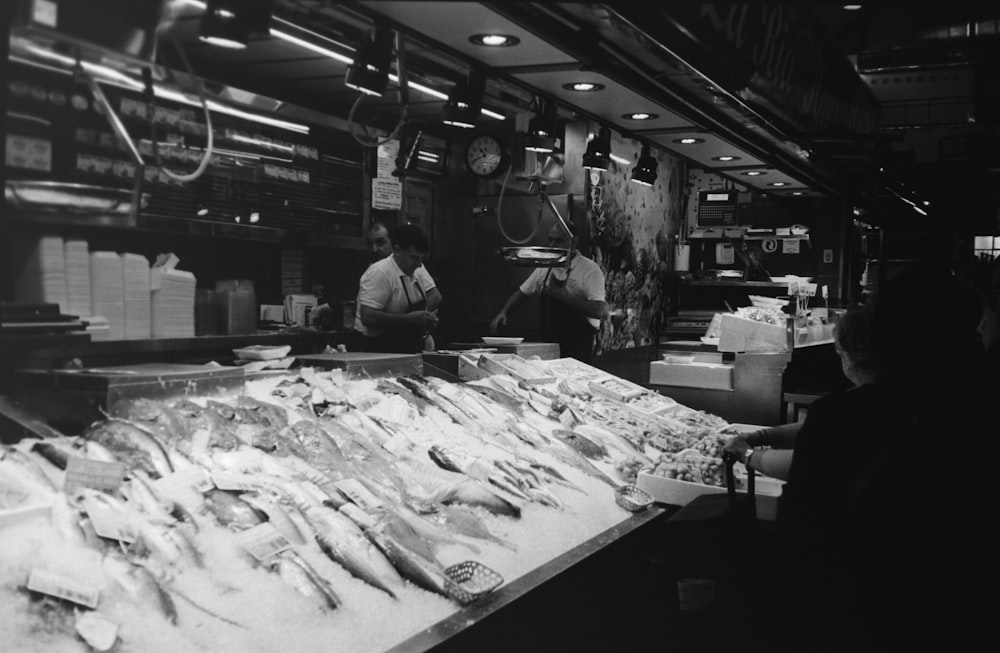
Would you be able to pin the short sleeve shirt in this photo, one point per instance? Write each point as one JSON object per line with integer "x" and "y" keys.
{"x": 384, "y": 287}
{"x": 585, "y": 280}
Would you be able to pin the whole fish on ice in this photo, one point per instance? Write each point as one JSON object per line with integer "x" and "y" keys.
{"x": 132, "y": 444}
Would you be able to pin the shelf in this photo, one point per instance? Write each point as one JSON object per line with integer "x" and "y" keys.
{"x": 735, "y": 282}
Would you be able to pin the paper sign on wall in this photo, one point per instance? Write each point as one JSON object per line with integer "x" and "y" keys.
{"x": 790, "y": 246}
{"x": 387, "y": 194}
{"x": 387, "y": 153}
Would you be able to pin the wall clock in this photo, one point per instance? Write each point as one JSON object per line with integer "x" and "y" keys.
{"x": 486, "y": 157}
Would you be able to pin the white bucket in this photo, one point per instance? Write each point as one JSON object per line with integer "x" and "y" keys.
{"x": 682, "y": 257}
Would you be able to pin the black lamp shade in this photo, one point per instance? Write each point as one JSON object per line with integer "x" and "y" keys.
{"x": 370, "y": 71}
{"x": 465, "y": 102}
{"x": 598, "y": 154}
{"x": 225, "y": 23}
{"x": 542, "y": 136}
{"x": 644, "y": 171}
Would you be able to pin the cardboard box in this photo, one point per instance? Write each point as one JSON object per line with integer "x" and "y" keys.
{"x": 680, "y": 493}
{"x": 744, "y": 335}
{"x": 712, "y": 376}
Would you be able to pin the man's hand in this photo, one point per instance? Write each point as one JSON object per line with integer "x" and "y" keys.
{"x": 425, "y": 319}
{"x": 498, "y": 321}
{"x": 738, "y": 446}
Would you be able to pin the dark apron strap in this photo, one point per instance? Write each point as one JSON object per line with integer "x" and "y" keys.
{"x": 561, "y": 324}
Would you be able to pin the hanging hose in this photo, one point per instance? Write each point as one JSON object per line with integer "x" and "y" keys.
{"x": 200, "y": 91}
{"x": 503, "y": 232}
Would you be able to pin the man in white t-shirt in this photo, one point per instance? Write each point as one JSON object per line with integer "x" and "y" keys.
{"x": 571, "y": 300}
{"x": 397, "y": 299}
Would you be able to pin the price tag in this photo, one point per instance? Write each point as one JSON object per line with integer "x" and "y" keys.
{"x": 358, "y": 516}
{"x": 809, "y": 289}
{"x": 234, "y": 481}
{"x": 96, "y": 474}
{"x": 399, "y": 443}
{"x": 108, "y": 522}
{"x": 52, "y": 584}
{"x": 45, "y": 12}
{"x": 263, "y": 541}
{"x": 359, "y": 494}
{"x": 190, "y": 479}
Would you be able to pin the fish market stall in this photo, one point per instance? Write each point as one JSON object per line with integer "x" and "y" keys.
{"x": 313, "y": 510}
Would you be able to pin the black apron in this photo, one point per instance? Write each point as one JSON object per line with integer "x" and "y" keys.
{"x": 404, "y": 339}
{"x": 559, "y": 323}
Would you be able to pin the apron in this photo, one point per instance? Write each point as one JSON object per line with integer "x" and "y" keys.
{"x": 401, "y": 340}
{"x": 561, "y": 324}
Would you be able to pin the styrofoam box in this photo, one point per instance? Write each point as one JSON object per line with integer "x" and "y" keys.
{"x": 679, "y": 493}
{"x": 742, "y": 334}
{"x": 713, "y": 376}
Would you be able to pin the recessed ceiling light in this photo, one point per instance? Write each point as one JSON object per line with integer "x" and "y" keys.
{"x": 583, "y": 87}
{"x": 642, "y": 115}
{"x": 689, "y": 141}
{"x": 494, "y": 40}
{"x": 753, "y": 173}
{"x": 778, "y": 183}
{"x": 852, "y": 7}
{"x": 796, "y": 192}
{"x": 727, "y": 157}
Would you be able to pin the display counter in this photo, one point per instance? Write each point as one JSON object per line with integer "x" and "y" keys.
{"x": 430, "y": 477}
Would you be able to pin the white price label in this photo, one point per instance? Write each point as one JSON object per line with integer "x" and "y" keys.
{"x": 359, "y": 494}
{"x": 108, "y": 522}
{"x": 52, "y": 584}
{"x": 190, "y": 479}
{"x": 96, "y": 474}
{"x": 263, "y": 541}
{"x": 790, "y": 246}
{"x": 234, "y": 481}
{"x": 45, "y": 12}
{"x": 399, "y": 443}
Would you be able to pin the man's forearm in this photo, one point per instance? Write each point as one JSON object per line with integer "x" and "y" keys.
{"x": 434, "y": 299}
{"x": 513, "y": 301}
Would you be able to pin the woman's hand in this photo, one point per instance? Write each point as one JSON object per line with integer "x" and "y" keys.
{"x": 738, "y": 445}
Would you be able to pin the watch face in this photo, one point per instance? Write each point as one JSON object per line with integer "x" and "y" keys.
{"x": 484, "y": 156}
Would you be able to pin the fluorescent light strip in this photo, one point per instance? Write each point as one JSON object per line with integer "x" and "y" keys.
{"x": 257, "y": 141}
{"x": 336, "y": 56}
{"x": 620, "y": 159}
{"x": 428, "y": 159}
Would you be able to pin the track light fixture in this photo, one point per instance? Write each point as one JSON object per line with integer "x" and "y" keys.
{"x": 465, "y": 102}
{"x": 226, "y": 23}
{"x": 644, "y": 171}
{"x": 370, "y": 71}
{"x": 598, "y": 154}
{"x": 541, "y": 136}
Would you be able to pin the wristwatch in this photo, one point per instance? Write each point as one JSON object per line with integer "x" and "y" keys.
{"x": 746, "y": 456}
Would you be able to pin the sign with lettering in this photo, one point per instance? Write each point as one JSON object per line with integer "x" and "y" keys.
{"x": 95, "y": 474}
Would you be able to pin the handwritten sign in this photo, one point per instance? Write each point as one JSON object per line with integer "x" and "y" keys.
{"x": 387, "y": 194}
{"x": 95, "y": 474}
{"x": 263, "y": 541}
{"x": 61, "y": 587}
{"x": 108, "y": 522}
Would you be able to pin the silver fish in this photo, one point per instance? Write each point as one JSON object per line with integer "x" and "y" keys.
{"x": 27, "y": 467}
{"x": 269, "y": 504}
{"x": 134, "y": 445}
{"x": 140, "y": 585}
{"x": 581, "y": 444}
{"x": 294, "y": 570}
{"x": 430, "y": 483}
{"x": 232, "y": 511}
{"x": 423, "y": 572}
{"x": 196, "y": 417}
{"x": 159, "y": 418}
{"x": 346, "y": 544}
{"x": 467, "y": 523}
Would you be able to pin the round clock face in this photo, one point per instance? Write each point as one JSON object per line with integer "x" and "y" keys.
{"x": 485, "y": 156}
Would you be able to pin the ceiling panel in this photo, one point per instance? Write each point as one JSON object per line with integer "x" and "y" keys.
{"x": 702, "y": 153}
{"x": 764, "y": 182}
{"x": 453, "y": 25}
{"x": 610, "y": 103}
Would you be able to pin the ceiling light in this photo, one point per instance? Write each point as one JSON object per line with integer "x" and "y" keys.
{"x": 494, "y": 40}
{"x": 620, "y": 160}
{"x": 370, "y": 71}
{"x": 598, "y": 154}
{"x": 727, "y": 157}
{"x": 689, "y": 141}
{"x": 641, "y": 115}
{"x": 464, "y": 104}
{"x": 753, "y": 173}
{"x": 852, "y": 7}
{"x": 583, "y": 87}
{"x": 225, "y": 23}
{"x": 541, "y": 128}
{"x": 644, "y": 171}
{"x": 778, "y": 183}
{"x": 796, "y": 192}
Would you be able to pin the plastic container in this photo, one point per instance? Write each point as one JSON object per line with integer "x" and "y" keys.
{"x": 236, "y": 304}
{"x": 206, "y": 314}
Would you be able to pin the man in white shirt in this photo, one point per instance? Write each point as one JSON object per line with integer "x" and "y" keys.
{"x": 397, "y": 307}
{"x": 571, "y": 299}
